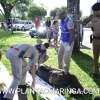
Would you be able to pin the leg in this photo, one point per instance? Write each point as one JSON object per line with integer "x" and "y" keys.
{"x": 22, "y": 95}
{"x": 24, "y": 72}
{"x": 43, "y": 59}
{"x": 60, "y": 56}
{"x": 16, "y": 64}
{"x": 67, "y": 57}
{"x": 96, "y": 61}
{"x": 56, "y": 40}
{"x": 48, "y": 34}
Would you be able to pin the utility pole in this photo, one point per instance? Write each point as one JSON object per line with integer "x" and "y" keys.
{"x": 73, "y": 7}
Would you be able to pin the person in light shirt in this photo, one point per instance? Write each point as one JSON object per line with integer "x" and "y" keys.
{"x": 35, "y": 54}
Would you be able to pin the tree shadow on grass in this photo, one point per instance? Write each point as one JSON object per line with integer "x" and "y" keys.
{"x": 85, "y": 63}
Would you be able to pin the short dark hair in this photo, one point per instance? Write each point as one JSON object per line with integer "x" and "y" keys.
{"x": 96, "y": 7}
{"x": 46, "y": 45}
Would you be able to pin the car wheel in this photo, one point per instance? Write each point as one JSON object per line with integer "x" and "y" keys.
{"x": 32, "y": 36}
{"x": 23, "y": 28}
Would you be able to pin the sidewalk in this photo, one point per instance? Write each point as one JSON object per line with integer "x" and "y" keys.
{"x": 6, "y": 78}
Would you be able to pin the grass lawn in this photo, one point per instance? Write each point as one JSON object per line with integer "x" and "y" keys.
{"x": 81, "y": 63}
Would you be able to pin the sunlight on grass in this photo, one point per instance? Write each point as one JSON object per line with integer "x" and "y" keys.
{"x": 81, "y": 63}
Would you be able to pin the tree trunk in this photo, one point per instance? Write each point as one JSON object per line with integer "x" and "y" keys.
{"x": 73, "y": 7}
{"x": 7, "y": 10}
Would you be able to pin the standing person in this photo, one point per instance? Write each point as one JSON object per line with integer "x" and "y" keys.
{"x": 67, "y": 41}
{"x": 55, "y": 30}
{"x": 96, "y": 37}
{"x": 48, "y": 27}
{"x": 17, "y": 54}
{"x": 37, "y": 23}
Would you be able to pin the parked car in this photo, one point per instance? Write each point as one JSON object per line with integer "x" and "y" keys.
{"x": 17, "y": 25}
{"x": 33, "y": 32}
{"x": 27, "y": 25}
{"x": 41, "y": 32}
{"x": 22, "y": 25}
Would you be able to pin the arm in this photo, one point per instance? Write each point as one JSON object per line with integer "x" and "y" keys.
{"x": 33, "y": 63}
{"x": 72, "y": 36}
{"x": 33, "y": 72}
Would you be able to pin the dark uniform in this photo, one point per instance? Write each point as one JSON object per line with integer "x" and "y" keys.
{"x": 96, "y": 37}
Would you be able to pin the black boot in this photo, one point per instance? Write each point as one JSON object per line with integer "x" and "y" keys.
{"x": 22, "y": 95}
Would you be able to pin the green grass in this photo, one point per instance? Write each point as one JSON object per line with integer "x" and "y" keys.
{"x": 81, "y": 63}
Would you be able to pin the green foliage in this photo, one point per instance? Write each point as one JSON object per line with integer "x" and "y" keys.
{"x": 36, "y": 11}
{"x": 21, "y": 10}
{"x": 8, "y": 5}
{"x": 1, "y": 17}
{"x": 56, "y": 11}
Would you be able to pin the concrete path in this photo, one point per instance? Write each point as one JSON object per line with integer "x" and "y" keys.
{"x": 6, "y": 78}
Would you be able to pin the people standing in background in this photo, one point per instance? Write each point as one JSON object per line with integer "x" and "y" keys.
{"x": 55, "y": 30}
{"x": 37, "y": 23}
{"x": 48, "y": 27}
{"x": 67, "y": 41}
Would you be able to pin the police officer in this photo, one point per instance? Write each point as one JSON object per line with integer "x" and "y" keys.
{"x": 96, "y": 37}
{"x": 67, "y": 41}
{"x": 16, "y": 54}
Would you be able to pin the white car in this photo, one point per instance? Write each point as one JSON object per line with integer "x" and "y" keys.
{"x": 27, "y": 25}
{"x": 22, "y": 25}
{"x": 17, "y": 26}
